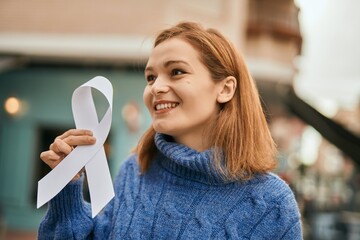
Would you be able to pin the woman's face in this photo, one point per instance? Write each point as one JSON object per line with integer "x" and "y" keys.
{"x": 180, "y": 95}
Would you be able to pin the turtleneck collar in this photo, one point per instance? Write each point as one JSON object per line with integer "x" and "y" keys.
{"x": 187, "y": 162}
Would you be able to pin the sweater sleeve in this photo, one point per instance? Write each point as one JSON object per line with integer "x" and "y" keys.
{"x": 282, "y": 220}
{"x": 69, "y": 216}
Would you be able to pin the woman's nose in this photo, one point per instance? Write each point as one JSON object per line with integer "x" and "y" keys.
{"x": 159, "y": 86}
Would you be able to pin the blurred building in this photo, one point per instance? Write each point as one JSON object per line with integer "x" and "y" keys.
{"x": 48, "y": 48}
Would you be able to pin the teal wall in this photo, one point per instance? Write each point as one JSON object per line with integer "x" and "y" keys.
{"x": 47, "y": 93}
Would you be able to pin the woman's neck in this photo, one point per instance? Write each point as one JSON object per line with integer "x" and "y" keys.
{"x": 197, "y": 142}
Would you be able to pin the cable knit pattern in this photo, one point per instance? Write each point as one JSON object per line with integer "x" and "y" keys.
{"x": 181, "y": 196}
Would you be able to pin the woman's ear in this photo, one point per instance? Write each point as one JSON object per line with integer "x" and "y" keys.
{"x": 227, "y": 89}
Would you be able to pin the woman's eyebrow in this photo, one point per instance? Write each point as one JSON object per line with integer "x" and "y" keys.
{"x": 171, "y": 62}
{"x": 167, "y": 64}
{"x": 148, "y": 69}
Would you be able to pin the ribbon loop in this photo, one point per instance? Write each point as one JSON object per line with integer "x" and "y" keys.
{"x": 91, "y": 157}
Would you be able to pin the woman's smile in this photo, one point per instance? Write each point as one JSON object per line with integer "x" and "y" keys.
{"x": 164, "y": 106}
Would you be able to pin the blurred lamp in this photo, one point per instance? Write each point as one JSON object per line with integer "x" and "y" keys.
{"x": 13, "y": 106}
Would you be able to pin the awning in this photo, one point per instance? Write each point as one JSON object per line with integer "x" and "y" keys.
{"x": 334, "y": 132}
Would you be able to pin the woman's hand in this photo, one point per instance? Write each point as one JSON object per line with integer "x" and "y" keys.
{"x": 64, "y": 144}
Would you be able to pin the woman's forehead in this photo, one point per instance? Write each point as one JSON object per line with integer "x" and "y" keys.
{"x": 172, "y": 50}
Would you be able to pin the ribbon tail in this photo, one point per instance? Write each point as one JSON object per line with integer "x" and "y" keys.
{"x": 51, "y": 184}
{"x": 44, "y": 194}
{"x": 100, "y": 183}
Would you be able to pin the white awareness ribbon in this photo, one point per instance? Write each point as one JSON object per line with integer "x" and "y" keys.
{"x": 92, "y": 156}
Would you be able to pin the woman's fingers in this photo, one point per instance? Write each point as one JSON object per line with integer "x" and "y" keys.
{"x": 51, "y": 158}
{"x": 64, "y": 144}
{"x": 76, "y": 132}
{"x": 60, "y": 147}
{"x": 79, "y": 140}
{"x": 76, "y": 137}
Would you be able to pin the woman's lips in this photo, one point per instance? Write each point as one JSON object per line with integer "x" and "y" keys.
{"x": 164, "y": 105}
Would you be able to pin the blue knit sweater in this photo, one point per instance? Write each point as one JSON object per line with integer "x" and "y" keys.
{"x": 181, "y": 196}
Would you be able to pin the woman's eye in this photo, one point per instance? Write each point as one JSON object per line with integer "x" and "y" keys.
{"x": 177, "y": 72}
{"x": 150, "y": 78}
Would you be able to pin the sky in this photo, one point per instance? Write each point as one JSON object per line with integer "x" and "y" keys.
{"x": 329, "y": 66}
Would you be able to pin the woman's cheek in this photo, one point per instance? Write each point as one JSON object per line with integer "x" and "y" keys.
{"x": 147, "y": 98}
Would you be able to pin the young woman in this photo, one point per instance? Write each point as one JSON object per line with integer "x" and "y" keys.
{"x": 201, "y": 171}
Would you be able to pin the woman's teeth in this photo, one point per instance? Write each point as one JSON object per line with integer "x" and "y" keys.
{"x": 165, "y": 106}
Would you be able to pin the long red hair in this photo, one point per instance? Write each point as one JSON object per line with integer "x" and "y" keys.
{"x": 240, "y": 133}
